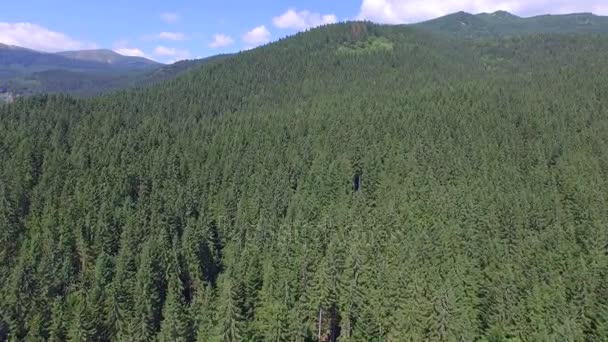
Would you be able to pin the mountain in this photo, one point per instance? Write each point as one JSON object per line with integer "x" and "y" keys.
{"x": 21, "y": 61}
{"x": 503, "y": 24}
{"x": 112, "y": 58}
{"x": 29, "y": 61}
{"x": 356, "y": 181}
{"x": 26, "y": 72}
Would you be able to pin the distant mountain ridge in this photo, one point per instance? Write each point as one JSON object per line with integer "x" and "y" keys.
{"x": 29, "y": 61}
{"x": 110, "y": 57}
{"x": 22, "y": 61}
{"x": 87, "y": 72}
{"x": 504, "y": 24}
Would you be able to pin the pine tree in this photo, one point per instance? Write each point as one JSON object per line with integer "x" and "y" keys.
{"x": 176, "y": 322}
{"x": 229, "y": 322}
{"x": 176, "y": 325}
{"x": 57, "y": 326}
{"x": 98, "y": 297}
{"x": 146, "y": 312}
{"x": 202, "y": 312}
{"x": 80, "y": 327}
{"x": 272, "y": 314}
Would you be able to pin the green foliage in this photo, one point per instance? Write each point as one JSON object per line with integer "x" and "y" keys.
{"x": 229, "y": 318}
{"x": 221, "y": 206}
{"x": 371, "y": 45}
{"x": 176, "y": 322}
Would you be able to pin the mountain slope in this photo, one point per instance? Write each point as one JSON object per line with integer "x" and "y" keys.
{"x": 502, "y": 24}
{"x": 400, "y": 185}
{"x": 172, "y": 70}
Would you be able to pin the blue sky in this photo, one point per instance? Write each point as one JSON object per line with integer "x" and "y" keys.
{"x": 171, "y": 30}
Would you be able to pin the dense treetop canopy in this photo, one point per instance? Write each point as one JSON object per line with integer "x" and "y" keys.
{"x": 362, "y": 182}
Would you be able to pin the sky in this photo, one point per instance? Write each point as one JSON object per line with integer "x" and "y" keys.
{"x": 168, "y": 31}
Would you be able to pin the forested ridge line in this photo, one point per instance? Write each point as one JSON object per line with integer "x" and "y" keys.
{"x": 222, "y": 206}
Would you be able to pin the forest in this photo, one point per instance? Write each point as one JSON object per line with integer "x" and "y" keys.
{"x": 355, "y": 182}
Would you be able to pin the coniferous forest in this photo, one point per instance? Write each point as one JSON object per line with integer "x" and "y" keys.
{"x": 356, "y": 182}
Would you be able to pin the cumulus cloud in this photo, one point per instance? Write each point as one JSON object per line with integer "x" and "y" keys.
{"x": 220, "y": 41}
{"x": 134, "y": 52}
{"x": 256, "y": 37}
{"x": 175, "y": 36}
{"x": 164, "y": 51}
{"x": 408, "y": 11}
{"x": 36, "y": 37}
{"x": 124, "y": 48}
{"x": 302, "y": 20}
{"x": 170, "y": 17}
{"x": 175, "y": 54}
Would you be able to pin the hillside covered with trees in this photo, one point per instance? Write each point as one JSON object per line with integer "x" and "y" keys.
{"x": 356, "y": 181}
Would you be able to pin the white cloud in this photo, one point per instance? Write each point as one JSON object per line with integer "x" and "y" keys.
{"x": 256, "y": 37}
{"x": 170, "y": 17}
{"x": 165, "y": 51}
{"x": 408, "y": 11}
{"x": 36, "y": 37}
{"x": 175, "y": 54}
{"x": 220, "y": 41}
{"x": 302, "y": 20}
{"x": 124, "y": 48}
{"x": 175, "y": 36}
{"x": 134, "y": 52}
